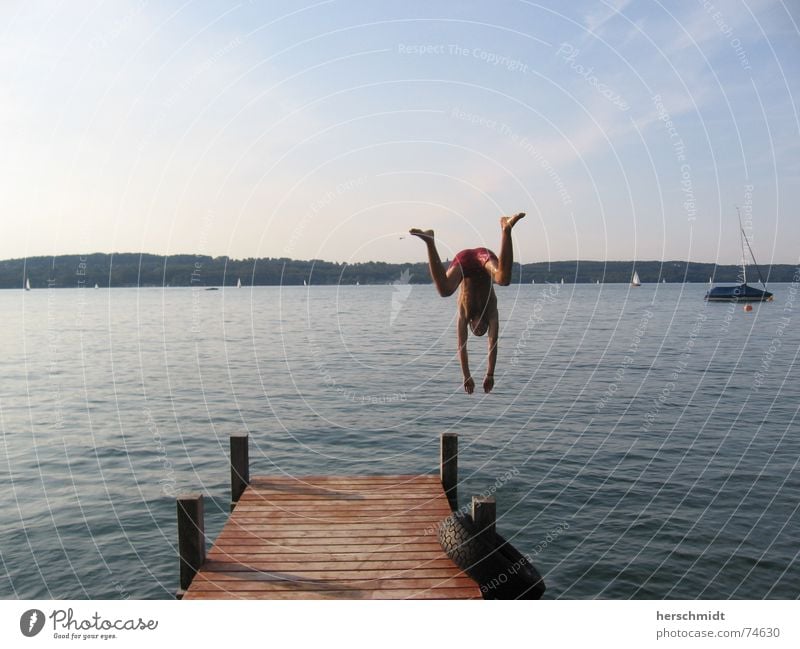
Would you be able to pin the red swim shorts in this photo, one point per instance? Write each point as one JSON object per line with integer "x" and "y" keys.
{"x": 473, "y": 260}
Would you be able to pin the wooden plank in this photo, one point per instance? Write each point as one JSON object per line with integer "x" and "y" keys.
{"x": 448, "y": 593}
{"x": 290, "y": 520}
{"x": 296, "y": 554}
{"x": 351, "y": 479}
{"x": 200, "y": 583}
{"x": 422, "y": 543}
{"x": 427, "y": 528}
{"x": 386, "y": 499}
{"x": 264, "y": 532}
{"x": 327, "y": 507}
{"x": 317, "y": 563}
{"x": 377, "y": 542}
{"x": 339, "y": 486}
{"x": 440, "y": 575}
{"x": 342, "y": 483}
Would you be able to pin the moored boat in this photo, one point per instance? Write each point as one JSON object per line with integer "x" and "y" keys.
{"x": 741, "y": 292}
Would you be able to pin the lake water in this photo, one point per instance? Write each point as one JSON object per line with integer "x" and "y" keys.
{"x": 640, "y": 443}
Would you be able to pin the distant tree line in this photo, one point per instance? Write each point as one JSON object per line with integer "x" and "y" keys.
{"x": 133, "y": 269}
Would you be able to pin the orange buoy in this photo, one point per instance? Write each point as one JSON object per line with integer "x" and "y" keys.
{"x": 748, "y": 307}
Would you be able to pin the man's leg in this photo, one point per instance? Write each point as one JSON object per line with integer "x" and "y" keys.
{"x": 446, "y": 281}
{"x": 501, "y": 272}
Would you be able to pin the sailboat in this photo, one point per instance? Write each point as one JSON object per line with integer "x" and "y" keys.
{"x": 305, "y": 283}
{"x": 27, "y": 283}
{"x": 741, "y": 292}
{"x": 96, "y": 285}
{"x": 562, "y": 280}
{"x": 239, "y": 283}
{"x": 636, "y": 281}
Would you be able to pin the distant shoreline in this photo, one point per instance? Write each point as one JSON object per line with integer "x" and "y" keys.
{"x": 116, "y": 270}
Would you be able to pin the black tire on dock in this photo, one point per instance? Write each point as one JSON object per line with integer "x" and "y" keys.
{"x": 502, "y": 572}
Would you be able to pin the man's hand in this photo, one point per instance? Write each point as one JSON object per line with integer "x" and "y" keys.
{"x": 469, "y": 385}
{"x": 488, "y": 383}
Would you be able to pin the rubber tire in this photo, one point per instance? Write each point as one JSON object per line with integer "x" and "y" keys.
{"x": 501, "y": 573}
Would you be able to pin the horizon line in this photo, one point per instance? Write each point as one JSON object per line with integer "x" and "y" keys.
{"x": 376, "y": 261}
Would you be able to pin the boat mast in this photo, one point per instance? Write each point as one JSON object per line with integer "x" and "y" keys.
{"x": 741, "y": 243}
{"x": 752, "y": 255}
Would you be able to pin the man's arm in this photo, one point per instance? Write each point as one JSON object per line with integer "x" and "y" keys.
{"x": 469, "y": 384}
{"x": 492, "y": 335}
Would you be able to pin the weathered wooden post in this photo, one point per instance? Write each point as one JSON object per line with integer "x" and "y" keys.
{"x": 448, "y": 467}
{"x": 191, "y": 538}
{"x": 240, "y": 466}
{"x": 484, "y": 515}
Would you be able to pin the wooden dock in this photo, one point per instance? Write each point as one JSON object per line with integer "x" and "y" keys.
{"x": 325, "y": 537}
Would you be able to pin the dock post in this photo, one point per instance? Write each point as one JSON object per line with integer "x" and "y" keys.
{"x": 484, "y": 515}
{"x": 191, "y": 538}
{"x": 448, "y": 467}
{"x": 240, "y": 466}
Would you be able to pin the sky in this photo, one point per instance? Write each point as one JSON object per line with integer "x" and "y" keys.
{"x": 325, "y": 130}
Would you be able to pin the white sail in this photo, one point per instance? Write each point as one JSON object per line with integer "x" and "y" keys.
{"x": 27, "y": 283}
{"x": 635, "y": 281}
{"x": 97, "y": 285}
{"x": 239, "y": 283}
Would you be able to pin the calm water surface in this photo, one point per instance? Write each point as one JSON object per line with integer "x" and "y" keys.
{"x": 642, "y": 444}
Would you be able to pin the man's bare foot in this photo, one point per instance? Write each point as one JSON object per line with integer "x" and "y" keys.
{"x": 425, "y": 235}
{"x": 508, "y": 222}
